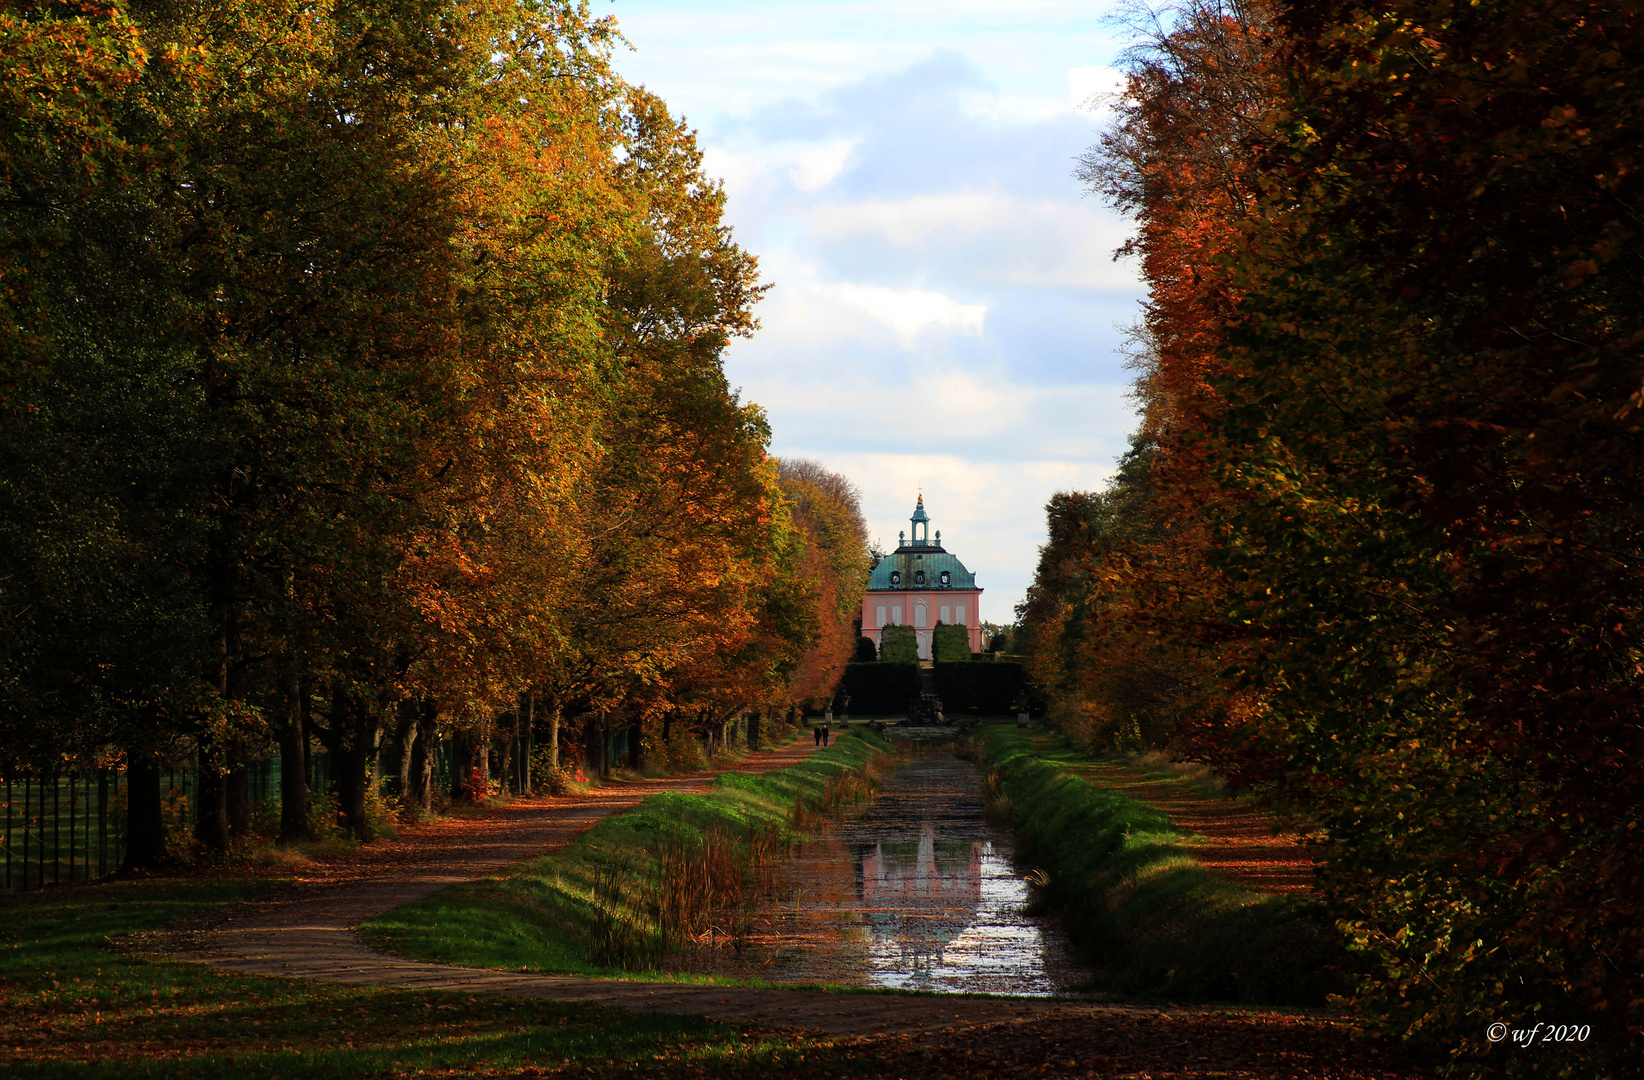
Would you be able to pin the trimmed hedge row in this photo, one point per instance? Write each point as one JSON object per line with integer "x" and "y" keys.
{"x": 898, "y": 645}
{"x": 950, "y": 644}
{"x": 881, "y": 688}
{"x": 1146, "y": 915}
{"x": 983, "y": 688}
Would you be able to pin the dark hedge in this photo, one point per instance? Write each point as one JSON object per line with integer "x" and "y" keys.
{"x": 985, "y": 688}
{"x": 881, "y": 688}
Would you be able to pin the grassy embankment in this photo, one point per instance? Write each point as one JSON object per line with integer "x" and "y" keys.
{"x": 672, "y": 869}
{"x": 1143, "y": 912}
{"x": 71, "y": 1005}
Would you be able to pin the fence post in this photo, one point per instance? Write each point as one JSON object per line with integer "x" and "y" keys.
{"x": 73, "y": 777}
{"x": 120, "y": 843}
{"x": 102, "y": 823}
{"x": 25, "y": 885}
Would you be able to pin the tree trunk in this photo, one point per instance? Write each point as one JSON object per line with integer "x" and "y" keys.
{"x": 595, "y": 744}
{"x": 636, "y": 742}
{"x": 210, "y": 806}
{"x": 145, "y": 817}
{"x": 356, "y": 730}
{"x": 236, "y": 789}
{"x": 753, "y": 730}
{"x": 294, "y": 765}
{"x": 211, "y": 822}
{"x": 505, "y": 759}
{"x": 462, "y": 762}
{"x": 528, "y": 745}
{"x": 405, "y": 742}
{"x": 424, "y": 752}
{"x": 554, "y": 713}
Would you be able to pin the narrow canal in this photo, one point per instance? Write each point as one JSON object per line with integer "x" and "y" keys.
{"x": 915, "y": 891}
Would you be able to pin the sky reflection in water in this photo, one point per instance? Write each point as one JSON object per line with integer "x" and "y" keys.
{"x": 916, "y": 892}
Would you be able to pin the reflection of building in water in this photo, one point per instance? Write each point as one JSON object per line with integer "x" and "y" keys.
{"x": 918, "y": 897}
{"x": 953, "y": 874}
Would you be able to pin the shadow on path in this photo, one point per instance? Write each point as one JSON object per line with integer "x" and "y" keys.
{"x": 308, "y": 932}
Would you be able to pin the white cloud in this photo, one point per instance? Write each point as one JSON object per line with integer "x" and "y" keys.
{"x": 908, "y": 312}
{"x": 946, "y": 300}
{"x": 1091, "y": 88}
{"x": 808, "y": 166}
{"x": 1000, "y": 238}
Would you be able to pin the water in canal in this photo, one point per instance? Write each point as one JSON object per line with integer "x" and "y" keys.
{"x": 915, "y": 891}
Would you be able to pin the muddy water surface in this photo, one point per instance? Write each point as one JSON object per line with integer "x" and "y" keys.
{"x": 915, "y": 891}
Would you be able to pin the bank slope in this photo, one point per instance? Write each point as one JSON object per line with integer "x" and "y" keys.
{"x": 1144, "y": 913}
{"x": 591, "y": 907}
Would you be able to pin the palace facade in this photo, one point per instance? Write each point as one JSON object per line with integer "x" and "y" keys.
{"x": 919, "y": 585}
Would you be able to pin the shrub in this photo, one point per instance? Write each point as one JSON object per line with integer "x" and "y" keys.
{"x": 950, "y": 644}
{"x": 898, "y": 645}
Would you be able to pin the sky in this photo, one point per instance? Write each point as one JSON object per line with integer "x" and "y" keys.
{"x": 947, "y": 316}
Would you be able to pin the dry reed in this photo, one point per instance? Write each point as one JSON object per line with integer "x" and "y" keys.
{"x": 841, "y": 792}
{"x": 708, "y": 882}
{"x": 620, "y": 934}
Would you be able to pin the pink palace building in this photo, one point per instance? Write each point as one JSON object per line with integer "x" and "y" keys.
{"x": 919, "y": 585}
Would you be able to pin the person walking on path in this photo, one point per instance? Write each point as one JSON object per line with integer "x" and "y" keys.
{"x": 826, "y": 734}
{"x": 816, "y": 733}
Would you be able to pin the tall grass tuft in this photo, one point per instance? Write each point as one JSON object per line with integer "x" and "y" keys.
{"x": 620, "y": 935}
{"x": 996, "y": 805}
{"x": 710, "y": 881}
{"x": 841, "y": 792}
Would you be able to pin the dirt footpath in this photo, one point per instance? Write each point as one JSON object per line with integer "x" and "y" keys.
{"x": 1235, "y": 840}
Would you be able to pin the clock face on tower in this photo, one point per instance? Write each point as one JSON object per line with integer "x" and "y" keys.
{"x": 919, "y": 577}
{"x": 947, "y": 578}
{"x": 896, "y": 577}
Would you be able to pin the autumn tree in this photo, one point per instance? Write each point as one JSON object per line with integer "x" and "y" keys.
{"x": 826, "y": 511}
{"x": 1414, "y": 425}
{"x": 1438, "y": 431}
{"x": 1122, "y": 622}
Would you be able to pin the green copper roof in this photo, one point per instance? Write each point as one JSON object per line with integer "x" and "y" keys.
{"x": 910, "y": 562}
{"x": 921, "y": 562}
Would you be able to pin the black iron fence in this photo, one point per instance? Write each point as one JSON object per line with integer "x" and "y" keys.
{"x": 72, "y": 827}
{"x": 64, "y": 828}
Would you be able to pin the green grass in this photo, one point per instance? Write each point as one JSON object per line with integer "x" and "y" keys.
{"x": 72, "y": 1004}
{"x": 1143, "y": 912}
{"x": 541, "y": 914}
